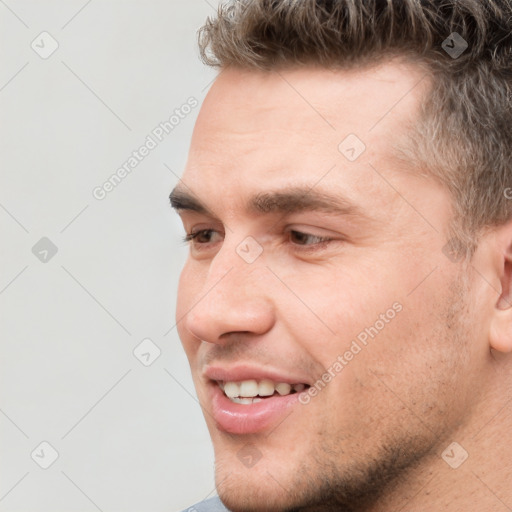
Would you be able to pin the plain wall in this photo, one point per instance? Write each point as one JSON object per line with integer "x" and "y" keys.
{"x": 129, "y": 437}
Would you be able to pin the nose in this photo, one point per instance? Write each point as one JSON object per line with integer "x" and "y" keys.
{"x": 234, "y": 298}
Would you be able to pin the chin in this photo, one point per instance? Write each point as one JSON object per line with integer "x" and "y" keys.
{"x": 246, "y": 496}
{"x": 260, "y": 488}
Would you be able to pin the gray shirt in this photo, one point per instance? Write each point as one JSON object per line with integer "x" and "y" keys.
{"x": 211, "y": 505}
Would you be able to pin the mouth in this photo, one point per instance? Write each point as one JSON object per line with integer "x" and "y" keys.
{"x": 253, "y": 405}
{"x": 253, "y": 391}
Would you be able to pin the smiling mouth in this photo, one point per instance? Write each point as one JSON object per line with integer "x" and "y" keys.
{"x": 253, "y": 391}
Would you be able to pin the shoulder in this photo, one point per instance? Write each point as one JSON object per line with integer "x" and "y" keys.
{"x": 211, "y": 505}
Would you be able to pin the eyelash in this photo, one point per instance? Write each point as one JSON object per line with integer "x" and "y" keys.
{"x": 321, "y": 241}
{"x": 189, "y": 237}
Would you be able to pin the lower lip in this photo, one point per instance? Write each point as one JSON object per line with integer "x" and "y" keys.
{"x": 248, "y": 418}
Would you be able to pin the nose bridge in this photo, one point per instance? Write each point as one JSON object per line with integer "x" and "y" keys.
{"x": 236, "y": 275}
{"x": 243, "y": 260}
{"x": 234, "y": 296}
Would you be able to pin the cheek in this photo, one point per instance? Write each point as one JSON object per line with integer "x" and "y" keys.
{"x": 420, "y": 358}
{"x": 400, "y": 381}
{"x": 332, "y": 308}
{"x": 188, "y": 288}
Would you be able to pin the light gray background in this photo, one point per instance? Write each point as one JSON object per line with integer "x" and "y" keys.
{"x": 130, "y": 437}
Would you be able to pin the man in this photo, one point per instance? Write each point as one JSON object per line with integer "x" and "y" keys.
{"x": 346, "y": 306}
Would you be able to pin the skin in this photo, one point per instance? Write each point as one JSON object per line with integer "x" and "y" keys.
{"x": 440, "y": 371}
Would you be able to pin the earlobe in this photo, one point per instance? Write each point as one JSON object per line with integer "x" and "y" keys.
{"x": 500, "y": 337}
{"x": 505, "y": 298}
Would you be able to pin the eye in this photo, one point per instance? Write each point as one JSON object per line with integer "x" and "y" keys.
{"x": 307, "y": 239}
{"x": 200, "y": 237}
{"x": 298, "y": 239}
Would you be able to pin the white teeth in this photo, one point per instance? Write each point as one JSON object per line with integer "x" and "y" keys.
{"x": 248, "y": 388}
{"x": 245, "y": 400}
{"x": 248, "y": 391}
{"x": 266, "y": 388}
{"x": 232, "y": 389}
{"x": 283, "y": 388}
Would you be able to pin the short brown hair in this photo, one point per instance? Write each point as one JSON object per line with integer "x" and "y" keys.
{"x": 464, "y": 137}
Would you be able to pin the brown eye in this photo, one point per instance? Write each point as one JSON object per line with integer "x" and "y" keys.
{"x": 300, "y": 238}
{"x": 204, "y": 236}
{"x": 200, "y": 237}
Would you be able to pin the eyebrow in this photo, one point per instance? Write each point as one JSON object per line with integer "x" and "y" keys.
{"x": 284, "y": 201}
{"x": 183, "y": 200}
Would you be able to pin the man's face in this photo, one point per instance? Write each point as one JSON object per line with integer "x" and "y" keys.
{"x": 319, "y": 278}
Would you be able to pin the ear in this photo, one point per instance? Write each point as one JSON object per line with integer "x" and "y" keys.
{"x": 500, "y": 336}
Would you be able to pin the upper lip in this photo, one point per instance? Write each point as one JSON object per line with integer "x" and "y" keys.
{"x": 242, "y": 372}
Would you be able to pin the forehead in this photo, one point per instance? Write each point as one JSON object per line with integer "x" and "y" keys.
{"x": 367, "y": 100}
{"x": 260, "y": 130}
